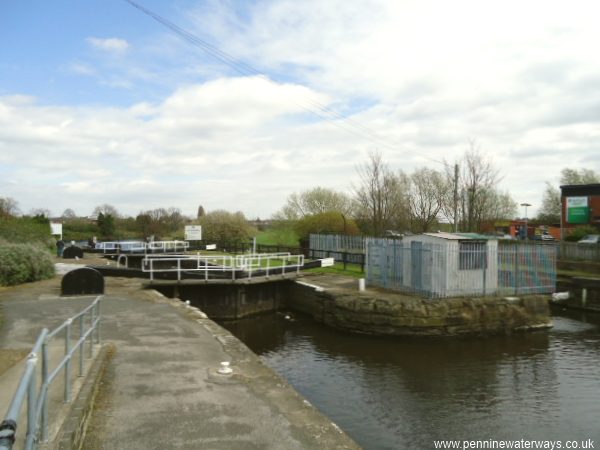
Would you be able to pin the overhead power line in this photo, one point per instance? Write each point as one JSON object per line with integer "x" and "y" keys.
{"x": 312, "y": 106}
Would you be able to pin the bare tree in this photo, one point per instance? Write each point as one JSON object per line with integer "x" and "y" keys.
{"x": 382, "y": 196}
{"x": 427, "y": 189}
{"x": 40, "y": 212}
{"x": 8, "y": 207}
{"x": 68, "y": 214}
{"x": 106, "y": 209}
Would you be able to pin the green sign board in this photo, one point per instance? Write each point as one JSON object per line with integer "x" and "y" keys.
{"x": 578, "y": 210}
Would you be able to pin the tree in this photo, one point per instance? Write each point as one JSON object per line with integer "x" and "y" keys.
{"x": 106, "y": 225}
{"x": 382, "y": 196}
{"x": 201, "y": 212}
{"x": 223, "y": 226}
{"x": 581, "y": 176}
{"x": 314, "y": 201}
{"x": 68, "y": 214}
{"x": 106, "y": 209}
{"x": 477, "y": 182}
{"x": 551, "y": 202}
{"x": 40, "y": 212}
{"x": 426, "y": 196}
{"x": 549, "y": 212}
{"x": 329, "y": 222}
{"x": 8, "y": 207}
{"x": 159, "y": 221}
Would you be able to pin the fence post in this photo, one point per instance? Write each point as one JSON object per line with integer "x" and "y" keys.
{"x": 92, "y": 317}
{"x": 31, "y": 404}
{"x": 44, "y": 418}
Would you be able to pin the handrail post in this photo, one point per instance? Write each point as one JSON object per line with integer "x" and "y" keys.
{"x": 178, "y": 269}
{"x": 98, "y": 324}
{"x": 31, "y": 404}
{"x": 67, "y": 396}
{"x": 44, "y": 400}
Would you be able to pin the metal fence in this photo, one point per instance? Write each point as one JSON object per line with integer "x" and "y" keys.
{"x": 342, "y": 248}
{"x": 217, "y": 266}
{"x": 37, "y": 392}
{"x": 575, "y": 251}
{"x": 338, "y": 242}
{"x": 456, "y": 269}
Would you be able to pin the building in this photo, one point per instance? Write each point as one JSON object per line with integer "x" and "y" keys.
{"x": 451, "y": 264}
{"x": 580, "y": 205}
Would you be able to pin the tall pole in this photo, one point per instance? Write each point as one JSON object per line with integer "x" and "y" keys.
{"x": 526, "y": 228}
{"x": 455, "y": 198}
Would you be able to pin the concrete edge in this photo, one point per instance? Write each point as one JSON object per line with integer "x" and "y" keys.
{"x": 308, "y": 419}
{"x": 73, "y": 430}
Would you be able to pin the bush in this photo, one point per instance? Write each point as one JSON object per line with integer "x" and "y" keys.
{"x": 26, "y": 230}
{"x": 223, "y": 226}
{"x": 580, "y": 232}
{"x": 22, "y": 263}
{"x": 330, "y": 222}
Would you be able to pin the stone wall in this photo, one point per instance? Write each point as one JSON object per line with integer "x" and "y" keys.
{"x": 384, "y": 313}
{"x": 231, "y": 301}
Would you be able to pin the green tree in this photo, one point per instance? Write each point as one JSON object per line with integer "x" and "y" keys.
{"x": 330, "y": 222}
{"x": 223, "y": 226}
{"x": 106, "y": 225}
{"x": 314, "y": 201}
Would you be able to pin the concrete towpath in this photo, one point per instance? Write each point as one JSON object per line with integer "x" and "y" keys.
{"x": 161, "y": 390}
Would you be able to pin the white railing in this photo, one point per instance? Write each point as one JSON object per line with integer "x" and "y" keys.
{"x": 238, "y": 267}
{"x": 143, "y": 247}
{"x": 38, "y": 360}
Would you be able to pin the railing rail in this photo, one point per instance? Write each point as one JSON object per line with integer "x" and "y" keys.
{"x": 37, "y": 399}
{"x": 238, "y": 267}
{"x": 142, "y": 247}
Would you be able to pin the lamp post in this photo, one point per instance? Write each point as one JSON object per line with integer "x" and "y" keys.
{"x": 526, "y": 228}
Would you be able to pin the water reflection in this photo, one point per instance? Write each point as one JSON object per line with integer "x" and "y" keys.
{"x": 405, "y": 393}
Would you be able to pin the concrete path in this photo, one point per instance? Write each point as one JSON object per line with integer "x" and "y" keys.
{"x": 161, "y": 390}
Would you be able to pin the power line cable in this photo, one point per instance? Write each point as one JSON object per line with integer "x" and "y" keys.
{"x": 316, "y": 108}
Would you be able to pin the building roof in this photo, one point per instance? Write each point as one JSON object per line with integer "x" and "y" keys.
{"x": 580, "y": 189}
{"x": 460, "y": 236}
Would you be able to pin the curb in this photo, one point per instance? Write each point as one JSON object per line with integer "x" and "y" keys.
{"x": 72, "y": 432}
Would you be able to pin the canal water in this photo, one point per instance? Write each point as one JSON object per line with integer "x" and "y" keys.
{"x": 406, "y": 393}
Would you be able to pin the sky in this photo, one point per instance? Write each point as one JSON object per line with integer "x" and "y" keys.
{"x": 102, "y": 104}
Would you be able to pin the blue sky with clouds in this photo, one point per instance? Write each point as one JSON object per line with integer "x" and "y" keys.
{"x": 99, "y": 103}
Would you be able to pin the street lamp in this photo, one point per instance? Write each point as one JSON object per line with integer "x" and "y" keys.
{"x": 526, "y": 228}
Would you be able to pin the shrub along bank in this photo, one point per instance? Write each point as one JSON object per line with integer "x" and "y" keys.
{"x": 25, "y": 251}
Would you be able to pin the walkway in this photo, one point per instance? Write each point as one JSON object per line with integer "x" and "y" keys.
{"x": 161, "y": 390}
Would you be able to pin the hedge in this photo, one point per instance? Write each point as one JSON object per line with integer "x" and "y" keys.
{"x": 22, "y": 263}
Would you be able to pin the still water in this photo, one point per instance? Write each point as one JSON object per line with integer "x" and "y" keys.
{"x": 405, "y": 393}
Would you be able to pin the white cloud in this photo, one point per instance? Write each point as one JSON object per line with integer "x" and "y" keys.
{"x": 114, "y": 45}
{"x": 426, "y": 77}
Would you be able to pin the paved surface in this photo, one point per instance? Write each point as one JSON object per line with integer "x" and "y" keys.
{"x": 161, "y": 389}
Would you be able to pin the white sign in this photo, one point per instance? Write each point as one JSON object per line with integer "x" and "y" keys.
{"x": 327, "y": 262}
{"x": 193, "y": 232}
{"x": 56, "y": 229}
{"x": 211, "y": 247}
{"x": 577, "y": 202}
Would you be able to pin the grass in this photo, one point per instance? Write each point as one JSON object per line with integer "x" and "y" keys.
{"x": 278, "y": 236}
{"x": 352, "y": 270}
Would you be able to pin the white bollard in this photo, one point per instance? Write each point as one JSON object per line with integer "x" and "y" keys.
{"x": 361, "y": 284}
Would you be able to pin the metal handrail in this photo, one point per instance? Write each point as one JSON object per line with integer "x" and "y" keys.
{"x": 37, "y": 401}
{"x": 113, "y": 246}
{"x": 223, "y": 263}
